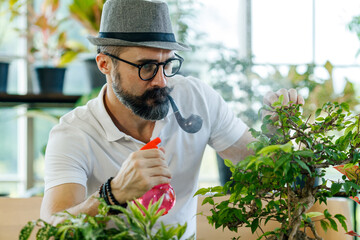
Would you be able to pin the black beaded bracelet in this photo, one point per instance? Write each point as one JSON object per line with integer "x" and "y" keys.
{"x": 105, "y": 195}
{"x": 101, "y": 191}
{"x": 112, "y": 197}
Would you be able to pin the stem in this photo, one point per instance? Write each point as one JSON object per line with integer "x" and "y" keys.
{"x": 309, "y": 202}
{"x": 312, "y": 227}
{"x": 262, "y": 231}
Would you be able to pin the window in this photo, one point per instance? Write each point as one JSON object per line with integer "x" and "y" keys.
{"x": 24, "y": 135}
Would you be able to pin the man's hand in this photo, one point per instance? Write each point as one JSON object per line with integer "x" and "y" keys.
{"x": 290, "y": 95}
{"x": 143, "y": 170}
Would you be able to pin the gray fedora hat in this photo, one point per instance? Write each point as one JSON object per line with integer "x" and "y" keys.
{"x": 136, "y": 23}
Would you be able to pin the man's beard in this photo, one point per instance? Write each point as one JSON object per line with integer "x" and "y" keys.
{"x": 152, "y": 105}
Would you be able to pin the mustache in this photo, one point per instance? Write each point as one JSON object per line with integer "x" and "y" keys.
{"x": 159, "y": 95}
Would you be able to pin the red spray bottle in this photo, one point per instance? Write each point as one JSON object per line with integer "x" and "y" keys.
{"x": 158, "y": 191}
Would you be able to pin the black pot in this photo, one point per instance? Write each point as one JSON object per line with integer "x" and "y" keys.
{"x": 4, "y": 70}
{"x": 96, "y": 77}
{"x": 51, "y": 79}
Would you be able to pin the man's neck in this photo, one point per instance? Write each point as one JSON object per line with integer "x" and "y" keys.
{"x": 126, "y": 121}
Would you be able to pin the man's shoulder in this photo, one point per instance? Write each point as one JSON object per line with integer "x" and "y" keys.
{"x": 78, "y": 118}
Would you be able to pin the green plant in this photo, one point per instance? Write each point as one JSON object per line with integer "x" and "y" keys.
{"x": 48, "y": 37}
{"x": 278, "y": 182}
{"x": 88, "y": 13}
{"x": 135, "y": 223}
{"x": 8, "y": 12}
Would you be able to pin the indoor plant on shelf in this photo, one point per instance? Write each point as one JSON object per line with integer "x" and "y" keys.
{"x": 264, "y": 187}
{"x": 51, "y": 45}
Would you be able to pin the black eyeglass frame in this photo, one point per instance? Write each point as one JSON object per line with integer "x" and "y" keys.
{"x": 139, "y": 66}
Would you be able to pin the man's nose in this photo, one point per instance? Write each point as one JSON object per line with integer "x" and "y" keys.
{"x": 159, "y": 79}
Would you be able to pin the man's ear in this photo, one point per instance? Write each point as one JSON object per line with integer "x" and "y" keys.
{"x": 104, "y": 63}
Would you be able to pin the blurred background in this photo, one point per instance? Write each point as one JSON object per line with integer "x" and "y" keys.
{"x": 243, "y": 48}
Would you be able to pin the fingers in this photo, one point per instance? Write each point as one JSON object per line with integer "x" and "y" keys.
{"x": 293, "y": 96}
{"x": 143, "y": 170}
{"x": 162, "y": 149}
{"x": 159, "y": 171}
{"x": 270, "y": 98}
{"x": 152, "y": 153}
{"x": 289, "y": 96}
{"x": 300, "y": 100}
{"x": 160, "y": 180}
{"x": 285, "y": 94}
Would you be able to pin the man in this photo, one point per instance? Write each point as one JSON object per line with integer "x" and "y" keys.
{"x": 136, "y": 52}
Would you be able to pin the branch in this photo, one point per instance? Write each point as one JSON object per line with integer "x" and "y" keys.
{"x": 312, "y": 227}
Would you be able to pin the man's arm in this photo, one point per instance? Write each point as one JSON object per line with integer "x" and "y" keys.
{"x": 69, "y": 196}
{"x": 238, "y": 151}
{"x": 140, "y": 172}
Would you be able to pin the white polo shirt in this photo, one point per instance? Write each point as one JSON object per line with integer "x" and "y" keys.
{"x": 87, "y": 148}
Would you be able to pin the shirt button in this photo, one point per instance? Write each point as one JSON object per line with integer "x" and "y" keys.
{"x": 127, "y": 138}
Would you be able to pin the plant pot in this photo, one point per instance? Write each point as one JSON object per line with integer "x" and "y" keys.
{"x": 51, "y": 79}
{"x": 4, "y": 70}
{"x": 96, "y": 77}
{"x": 224, "y": 171}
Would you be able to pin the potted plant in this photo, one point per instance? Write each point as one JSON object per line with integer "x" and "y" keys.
{"x": 51, "y": 45}
{"x": 263, "y": 186}
{"x": 135, "y": 222}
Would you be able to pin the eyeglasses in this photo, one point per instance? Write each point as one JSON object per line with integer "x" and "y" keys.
{"x": 148, "y": 70}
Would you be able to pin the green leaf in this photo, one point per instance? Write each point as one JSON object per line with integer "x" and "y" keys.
{"x": 350, "y": 128}
{"x": 27, "y": 230}
{"x": 303, "y": 165}
{"x": 202, "y": 191}
{"x": 258, "y": 202}
{"x": 327, "y": 214}
{"x": 254, "y": 225}
{"x": 208, "y": 200}
{"x": 272, "y": 148}
{"x": 280, "y": 162}
{"x": 66, "y": 58}
{"x": 287, "y": 147}
{"x": 318, "y": 112}
{"x": 305, "y": 153}
{"x": 279, "y": 102}
{"x": 345, "y": 106}
{"x": 324, "y": 225}
{"x": 342, "y": 220}
{"x": 354, "y": 185}
{"x": 347, "y": 187}
{"x": 319, "y": 119}
{"x": 313, "y": 214}
{"x": 229, "y": 163}
{"x": 335, "y": 188}
{"x": 253, "y": 160}
{"x": 333, "y": 224}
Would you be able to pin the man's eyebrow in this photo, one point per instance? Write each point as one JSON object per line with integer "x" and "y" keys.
{"x": 148, "y": 60}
